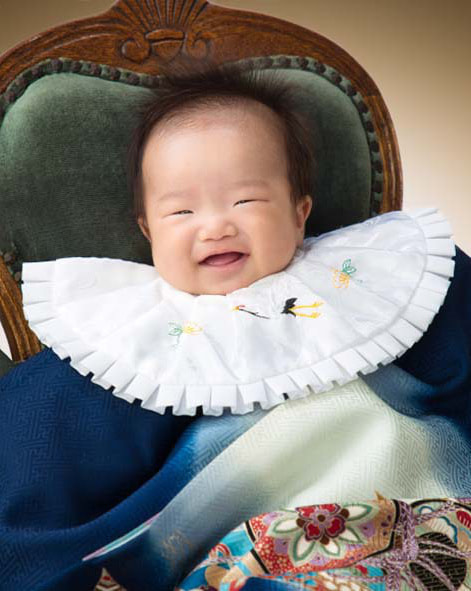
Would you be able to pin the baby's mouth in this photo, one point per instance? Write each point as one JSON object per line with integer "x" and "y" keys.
{"x": 226, "y": 258}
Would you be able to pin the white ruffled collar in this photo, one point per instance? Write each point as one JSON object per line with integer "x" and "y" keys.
{"x": 350, "y": 300}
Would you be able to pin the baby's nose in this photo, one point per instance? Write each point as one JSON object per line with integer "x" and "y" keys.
{"x": 216, "y": 227}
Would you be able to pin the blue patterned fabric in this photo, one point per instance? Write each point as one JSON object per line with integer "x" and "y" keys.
{"x": 435, "y": 376}
{"x": 80, "y": 468}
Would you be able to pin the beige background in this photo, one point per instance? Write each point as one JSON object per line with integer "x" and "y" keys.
{"x": 417, "y": 51}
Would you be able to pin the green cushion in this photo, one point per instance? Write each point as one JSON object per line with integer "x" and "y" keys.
{"x": 5, "y": 364}
{"x": 63, "y": 139}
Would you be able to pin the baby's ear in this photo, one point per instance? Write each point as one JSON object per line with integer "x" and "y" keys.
{"x": 303, "y": 209}
{"x": 144, "y": 227}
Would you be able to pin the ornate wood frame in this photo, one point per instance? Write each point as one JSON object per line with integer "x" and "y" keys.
{"x": 22, "y": 341}
{"x": 144, "y": 35}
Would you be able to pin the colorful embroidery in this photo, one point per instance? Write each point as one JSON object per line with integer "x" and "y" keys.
{"x": 424, "y": 556}
{"x": 323, "y": 536}
{"x": 190, "y": 328}
{"x": 241, "y": 308}
{"x": 322, "y": 522}
{"x": 341, "y": 278}
{"x": 381, "y": 545}
{"x": 288, "y": 308}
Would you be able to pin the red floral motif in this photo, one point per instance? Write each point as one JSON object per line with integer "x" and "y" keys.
{"x": 464, "y": 518}
{"x": 322, "y": 522}
{"x": 220, "y": 551}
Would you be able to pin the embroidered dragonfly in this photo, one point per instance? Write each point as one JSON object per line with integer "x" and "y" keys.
{"x": 177, "y": 330}
{"x": 341, "y": 278}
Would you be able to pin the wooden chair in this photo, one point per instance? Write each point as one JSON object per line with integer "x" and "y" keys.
{"x": 134, "y": 39}
{"x": 129, "y": 44}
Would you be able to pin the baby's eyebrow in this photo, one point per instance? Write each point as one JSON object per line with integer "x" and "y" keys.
{"x": 172, "y": 195}
{"x": 235, "y": 184}
{"x": 250, "y": 182}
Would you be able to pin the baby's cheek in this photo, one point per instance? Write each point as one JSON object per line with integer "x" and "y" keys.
{"x": 272, "y": 260}
{"x": 280, "y": 251}
{"x": 162, "y": 261}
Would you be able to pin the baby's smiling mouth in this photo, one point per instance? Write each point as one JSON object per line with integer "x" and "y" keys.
{"x": 223, "y": 259}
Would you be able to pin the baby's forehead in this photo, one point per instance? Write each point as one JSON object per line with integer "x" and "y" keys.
{"x": 200, "y": 116}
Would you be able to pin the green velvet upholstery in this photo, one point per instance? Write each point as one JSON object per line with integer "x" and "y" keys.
{"x": 63, "y": 138}
{"x": 5, "y": 364}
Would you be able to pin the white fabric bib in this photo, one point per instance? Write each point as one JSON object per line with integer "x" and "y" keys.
{"x": 349, "y": 300}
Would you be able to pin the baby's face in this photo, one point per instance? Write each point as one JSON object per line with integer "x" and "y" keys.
{"x": 217, "y": 200}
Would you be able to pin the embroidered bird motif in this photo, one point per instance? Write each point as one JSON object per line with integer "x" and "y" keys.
{"x": 241, "y": 308}
{"x": 290, "y": 308}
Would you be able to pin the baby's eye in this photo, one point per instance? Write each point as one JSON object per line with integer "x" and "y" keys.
{"x": 245, "y": 201}
{"x": 180, "y": 212}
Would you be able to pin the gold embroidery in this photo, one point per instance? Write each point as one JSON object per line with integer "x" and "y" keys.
{"x": 341, "y": 278}
{"x": 311, "y": 315}
{"x": 190, "y": 328}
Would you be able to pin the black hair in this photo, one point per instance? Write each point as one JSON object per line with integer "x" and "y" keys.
{"x": 191, "y": 85}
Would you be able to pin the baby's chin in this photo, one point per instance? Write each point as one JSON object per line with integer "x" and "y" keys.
{"x": 221, "y": 287}
{"x": 204, "y": 284}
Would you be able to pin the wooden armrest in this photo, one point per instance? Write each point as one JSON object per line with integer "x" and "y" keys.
{"x": 5, "y": 364}
{"x": 22, "y": 341}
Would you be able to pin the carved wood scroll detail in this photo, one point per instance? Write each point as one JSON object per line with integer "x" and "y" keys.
{"x": 165, "y": 30}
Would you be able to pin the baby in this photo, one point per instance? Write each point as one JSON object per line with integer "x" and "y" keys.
{"x": 221, "y": 168}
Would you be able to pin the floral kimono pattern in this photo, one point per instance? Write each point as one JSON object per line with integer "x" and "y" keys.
{"x": 381, "y": 544}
